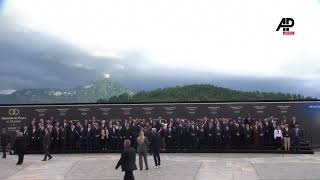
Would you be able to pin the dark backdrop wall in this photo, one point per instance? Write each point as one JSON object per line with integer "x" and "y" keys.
{"x": 307, "y": 113}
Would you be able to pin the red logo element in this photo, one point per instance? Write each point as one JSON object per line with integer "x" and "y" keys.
{"x": 288, "y": 33}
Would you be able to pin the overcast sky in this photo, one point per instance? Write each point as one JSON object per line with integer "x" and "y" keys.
{"x": 231, "y": 43}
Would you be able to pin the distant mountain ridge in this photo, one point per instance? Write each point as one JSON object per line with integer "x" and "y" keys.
{"x": 202, "y": 92}
{"x": 106, "y": 90}
{"x": 101, "y": 89}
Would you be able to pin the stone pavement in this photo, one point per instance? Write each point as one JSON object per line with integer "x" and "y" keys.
{"x": 174, "y": 167}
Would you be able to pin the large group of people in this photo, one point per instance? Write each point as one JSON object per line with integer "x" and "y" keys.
{"x": 134, "y": 135}
{"x": 205, "y": 133}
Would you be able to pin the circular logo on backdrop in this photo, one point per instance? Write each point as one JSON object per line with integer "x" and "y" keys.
{"x": 14, "y": 112}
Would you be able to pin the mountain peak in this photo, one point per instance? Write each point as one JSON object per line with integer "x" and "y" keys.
{"x": 100, "y": 89}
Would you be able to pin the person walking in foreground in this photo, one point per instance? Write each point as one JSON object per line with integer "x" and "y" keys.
{"x": 19, "y": 147}
{"x": 127, "y": 160}
{"x": 46, "y": 145}
{"x": 5, "y": 139}
{"x": 142, "y": 150}
{"x": 155, "y": 145}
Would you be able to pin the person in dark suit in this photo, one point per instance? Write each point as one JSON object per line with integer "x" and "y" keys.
{"x": 89, "y": 137}
{"x": 40, "y": 136}
{"x": 113, "y": 136}
{"x": 170, "y": 131}
{"x": 5, "y": 139}
{"x": 26, "y": 136}
{"x": 236, "y": 135}
{"x": 261, "y": 135}
{"x": 46, "y": 144}
{"x": 96, "y": 133}
{"x": 218, "y": 136}
{"x": 155, "y": 145}
{"x": 34, "y": 138}
{"x": 19, "y": 147}
{"x": 202, "y": 138}
{"x": 296, "y": 137}
{"x": 248, "y": 135}
{"x": 73, "y": 137}
{"x": 268, "y": 133}
{"x": 227, "y": 136}
{"x": 62, "y": 138}
{"x": 127, "y": 160}
{"x": 210, "y": 134}
{"x": 179, "y": 135}
{"x": 193, "y": 129}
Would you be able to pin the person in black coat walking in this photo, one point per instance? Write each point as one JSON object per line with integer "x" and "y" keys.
{"x": 19, "y": 147}
{"x": 46, "y": 144}
{"x": 5, "y": 139}
{"x": 127, "y": 160}
{"x": 155, "y": 145}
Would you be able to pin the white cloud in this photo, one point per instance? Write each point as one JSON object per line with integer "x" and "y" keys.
{"x": 106, "y": 76}
{"x": 81, "y": 66}
{"x": 107, "y": 54}
{"x": 231, "y": 36}
{"x": 7, "y": 91}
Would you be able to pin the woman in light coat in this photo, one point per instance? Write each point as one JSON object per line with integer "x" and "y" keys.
{"x": 142, "y": 142}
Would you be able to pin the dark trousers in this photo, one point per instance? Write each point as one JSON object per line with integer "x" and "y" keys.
{"x": 128, "y": 175}
{"x": 156, "y": 157}
{"x": 89, "y": 144}
{"x": 179, "y": 142}
{"x": 267, "y": 139}
{"x": 210, "y": 141}
{"x": 296, "y": 143}
{"x": 185, "y": 141}
{"x": 47, "y": 154}
{"x": 61, "y": 145}
{"x": 4, "y": 149}
{"x": 218, "y": 140}
{"x": 169, "y": 143}
{"x": 20, "y": 158}
{"x": 103, "y": 144}
{"x": 248, "y": 141}
{"x": 236, "y": 141}
{"x": 278, "y": 142}
{"x": 113, "y": 143}
{"x": 194, "y": 142}
{"x": 227, "y": 140}
{"x": 261, "y": 141}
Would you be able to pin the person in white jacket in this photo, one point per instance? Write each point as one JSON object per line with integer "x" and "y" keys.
{"x": 278, "y": 137}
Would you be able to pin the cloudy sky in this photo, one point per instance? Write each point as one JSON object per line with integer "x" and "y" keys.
{"x": 148, "y": 44}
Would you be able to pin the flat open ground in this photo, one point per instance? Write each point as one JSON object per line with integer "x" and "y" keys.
{"x": 174, "y": 166}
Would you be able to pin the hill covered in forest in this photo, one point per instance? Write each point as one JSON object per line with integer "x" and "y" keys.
{"x": 202, "y": 92}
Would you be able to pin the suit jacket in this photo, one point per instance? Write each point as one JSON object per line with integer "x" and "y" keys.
{"x": 247, "y": 133}
{"x": 5, "y": 139}
{"x": 293, "y": 133}
{"x": 227, "y": 133}
{"x": 34, "y": 134}
{"x": 112, "y": 134}
{"x": 286, "y": 133}
{"x": 73, "y": 135}
{"x": 127, "y": 160}
{"x": 89, "y": 134}
{"x": 46, "y": 141}
{"x": 155, "y": 142}
{"x": 170, "y": 133}
{"x": 19, "y": 145}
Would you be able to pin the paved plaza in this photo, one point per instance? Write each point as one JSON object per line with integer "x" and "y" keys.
{"x": 174, "y": 167}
